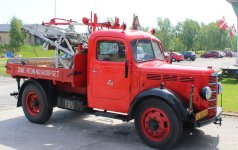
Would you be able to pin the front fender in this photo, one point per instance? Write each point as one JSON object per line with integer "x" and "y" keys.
{"x": 162, "y": 94}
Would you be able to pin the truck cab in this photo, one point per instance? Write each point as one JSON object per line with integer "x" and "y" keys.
{"x": 122, "y": 72}
{"x": 114, "y": 67}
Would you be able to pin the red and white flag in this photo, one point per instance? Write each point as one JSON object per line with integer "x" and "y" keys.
{"x": 222, "y": 24}
{"x": 232, "y": 30}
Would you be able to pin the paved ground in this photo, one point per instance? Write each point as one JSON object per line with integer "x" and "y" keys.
{"x": 76, "y": 131}
{"x": 7, "y": 85}
{"x": 67, "y": 130}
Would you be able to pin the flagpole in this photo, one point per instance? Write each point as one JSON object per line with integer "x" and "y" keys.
{"x": 237, "y": 42}
{"x": 232, "y": 46}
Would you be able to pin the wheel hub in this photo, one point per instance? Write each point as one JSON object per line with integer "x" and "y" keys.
{"x": 155, "y": 124}
{"x": 33, "y": 103}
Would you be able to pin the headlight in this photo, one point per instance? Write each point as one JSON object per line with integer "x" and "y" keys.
{"x": 219, "y": 88}
{"x": 206, "y": 93}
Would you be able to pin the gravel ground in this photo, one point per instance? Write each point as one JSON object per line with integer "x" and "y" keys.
{"x": 216, "y": 63}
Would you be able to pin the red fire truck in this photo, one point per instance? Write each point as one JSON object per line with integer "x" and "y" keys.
{"x": 119, "y": 72}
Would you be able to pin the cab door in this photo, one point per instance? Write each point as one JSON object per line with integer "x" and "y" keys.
{"x": 110, "y": 79}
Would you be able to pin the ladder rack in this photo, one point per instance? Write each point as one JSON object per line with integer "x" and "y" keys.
{"x": 64, "y": 40}
{"x": 55, "y": 36}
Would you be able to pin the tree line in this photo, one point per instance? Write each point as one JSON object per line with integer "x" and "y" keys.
{"x": 186, "y": 35}
{"x": 191, "y": 35}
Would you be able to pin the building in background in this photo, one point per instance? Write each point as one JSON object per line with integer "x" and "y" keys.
{"x": 32, "y": 39}
{"x": 4, "y": 34}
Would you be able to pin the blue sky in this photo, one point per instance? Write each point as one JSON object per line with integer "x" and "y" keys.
{"x": 36, "y": 11}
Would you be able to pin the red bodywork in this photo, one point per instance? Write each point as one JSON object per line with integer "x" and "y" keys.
{"x": 117, "y": 70}
{"x": 94, "y": 78}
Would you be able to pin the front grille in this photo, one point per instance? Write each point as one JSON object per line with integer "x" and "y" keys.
{"x": 213, "y": 100}
{"x": 170, "y": 78}
{"x": 189, "y": 79}
{"x": 153, "y": 77}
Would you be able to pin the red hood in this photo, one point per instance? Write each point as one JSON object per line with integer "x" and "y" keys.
{"x": 162, "y": 67}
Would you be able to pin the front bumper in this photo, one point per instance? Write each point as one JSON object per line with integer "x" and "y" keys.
{"x": 215, "y": 120}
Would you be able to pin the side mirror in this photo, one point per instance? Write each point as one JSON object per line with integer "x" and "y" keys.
{"x": 168, "y": 58}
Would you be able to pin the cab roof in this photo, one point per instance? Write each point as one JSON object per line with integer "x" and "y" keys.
{"x": 126, "y": 34}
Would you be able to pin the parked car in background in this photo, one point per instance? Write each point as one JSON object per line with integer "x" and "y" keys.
{"x": 176, "y": 56}
{"x": 166, "y": 55}
{"x": 228, "y": 53}
{"x": 234, "y": 54}
{"x": 222, "y": 53}
{"x": 188, "y": 55}
{"x": 212, "y": 53}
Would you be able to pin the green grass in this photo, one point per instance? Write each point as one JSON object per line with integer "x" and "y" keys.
{"x": 229, "y": 95}
{"x": 26, "y": 51}
{"x": 2, "y": 66}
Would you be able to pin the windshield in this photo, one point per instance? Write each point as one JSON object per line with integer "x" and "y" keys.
{"x": 146, "y": 50}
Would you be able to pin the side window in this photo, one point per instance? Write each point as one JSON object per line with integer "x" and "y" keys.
{"x": 111, "y": 51}
{"x": 157, "y": 50}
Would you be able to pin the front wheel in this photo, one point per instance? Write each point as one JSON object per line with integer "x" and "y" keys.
{"x": 173, "y": 59}
{"x": 35, "y": 103}
{"x": 157, "y": 124}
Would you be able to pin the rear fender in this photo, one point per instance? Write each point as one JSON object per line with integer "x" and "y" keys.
{"x": 162, "y": 94}
{"x": 19, "y": 101}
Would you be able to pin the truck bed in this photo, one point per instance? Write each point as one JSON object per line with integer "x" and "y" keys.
{"x": 43, "y": 68}
{"x": 39, "y": 62}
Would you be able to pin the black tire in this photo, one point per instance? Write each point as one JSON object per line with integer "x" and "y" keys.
{"x": 35, "y": 103}
{"x": 173, "y": 59}
{"x": 189, "y": 58}
{"x": 167, "y": 133}
{"x": 188, "y": 126}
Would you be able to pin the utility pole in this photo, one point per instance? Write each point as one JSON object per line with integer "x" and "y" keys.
{"x": 234, "y": 4}
{"x": 55, "y": 8}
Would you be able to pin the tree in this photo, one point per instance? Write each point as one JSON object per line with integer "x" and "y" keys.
{"x": 211, "y": 37}
{"x": 17, "y": 35}
{"x": 190, "y": 29}
{"x": 176, "y": 43}
{"x": 164, "y": 32}
{"x": 111, "y": 20}
{"x": 145, "y": 29}
{"x": 71, "y": 28}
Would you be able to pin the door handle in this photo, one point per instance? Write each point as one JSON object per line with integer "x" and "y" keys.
{"x": 94, "y": 70}
{"x": 126, "y": 68}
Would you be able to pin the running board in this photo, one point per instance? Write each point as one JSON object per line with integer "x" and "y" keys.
{"x": 110, "y": 115}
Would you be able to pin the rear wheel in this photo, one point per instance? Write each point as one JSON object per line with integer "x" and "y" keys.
{"x": 173, "y": 59}
{"x": 189, "y": 58}
{"x": 157, "y": 124}
{"x": 35, "y": 104}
